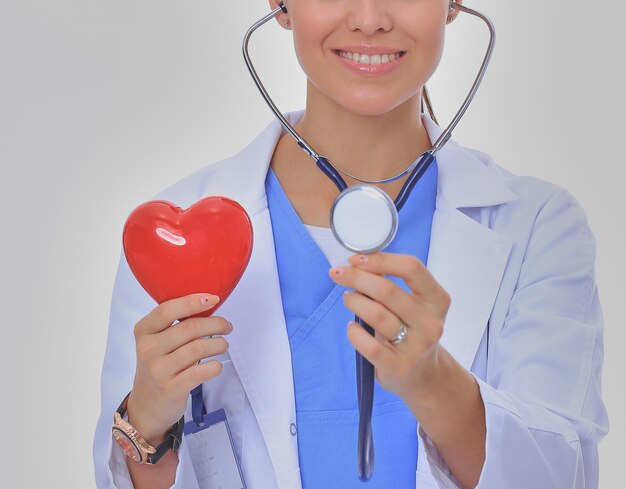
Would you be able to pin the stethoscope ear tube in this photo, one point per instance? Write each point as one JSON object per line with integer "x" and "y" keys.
{"x": 330, "y": 171}
{"x": 414, "y": 177}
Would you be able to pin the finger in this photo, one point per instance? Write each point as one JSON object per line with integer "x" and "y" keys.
{"x": 188, "y": 330}
{"x": 380, "y": 289}
{"x": 163, "y": 315}
{"x": 195, "y": 375}
{"x": 408, "y": 267}
{"x": 373, "y": 313}
{"x": 387, "y": 324}
{"x": 377, "y": 352}
{"x": 191, "y": 353}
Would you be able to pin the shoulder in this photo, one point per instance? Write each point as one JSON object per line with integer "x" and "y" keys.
{"x": 530, "y": 189}
{"x": 536, "y": 196}
{"x": 546, "y": 223}
{"x": 549, "y": 228}
{"x": 189, "y": 188}
{"x": 239, "y": 176}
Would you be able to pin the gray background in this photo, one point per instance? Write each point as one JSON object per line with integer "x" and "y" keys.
{"x": 103, "y": 104}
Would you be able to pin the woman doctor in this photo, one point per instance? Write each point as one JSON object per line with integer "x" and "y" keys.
{"x": 497, "y": 383}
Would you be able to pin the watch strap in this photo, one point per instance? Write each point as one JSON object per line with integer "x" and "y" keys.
{"x": 173, "y": 437}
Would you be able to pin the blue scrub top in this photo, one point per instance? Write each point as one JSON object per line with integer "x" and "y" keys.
{"x": 323, "y": 360}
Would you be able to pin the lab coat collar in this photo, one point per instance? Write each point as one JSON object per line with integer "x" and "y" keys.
{"x": 464, "y": 180}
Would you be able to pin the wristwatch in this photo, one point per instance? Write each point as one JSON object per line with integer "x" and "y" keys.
{"x": 134, "y": 445}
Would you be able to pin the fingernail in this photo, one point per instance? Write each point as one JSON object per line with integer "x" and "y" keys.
{"x": 209, "y": 300}
{"x": 336, "y": 271}
{"x": 231, "y": 326}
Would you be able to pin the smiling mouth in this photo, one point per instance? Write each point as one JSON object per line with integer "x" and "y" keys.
{"x": 370, "y": 59}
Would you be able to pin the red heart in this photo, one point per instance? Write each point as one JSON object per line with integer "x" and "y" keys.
{"x": 174, "y": 252}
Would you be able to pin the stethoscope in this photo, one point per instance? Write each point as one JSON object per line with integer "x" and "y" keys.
{"x": 364, "y": 219}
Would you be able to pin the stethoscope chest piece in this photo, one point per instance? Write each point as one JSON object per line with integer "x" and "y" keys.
{"x": 364, "y": 219}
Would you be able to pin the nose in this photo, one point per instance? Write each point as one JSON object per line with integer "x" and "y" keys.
{"x": 369, "y": 16}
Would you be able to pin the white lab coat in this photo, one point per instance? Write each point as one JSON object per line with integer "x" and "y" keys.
{"x": 517, "y": 257}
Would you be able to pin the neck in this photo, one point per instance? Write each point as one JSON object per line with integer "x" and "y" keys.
{"x": 368, "y": 146}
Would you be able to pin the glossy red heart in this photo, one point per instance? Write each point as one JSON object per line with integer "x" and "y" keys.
{"x": 174, "y": 252}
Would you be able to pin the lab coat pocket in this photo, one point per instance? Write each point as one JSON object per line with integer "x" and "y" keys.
{"x": 222, "y": 392}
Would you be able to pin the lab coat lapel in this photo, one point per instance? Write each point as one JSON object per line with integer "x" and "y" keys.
{"x": 465, "y": 256}
{"x": 468, "y": 260}
{"x": 260, "y": 351}
{"x": 259, "y": 345}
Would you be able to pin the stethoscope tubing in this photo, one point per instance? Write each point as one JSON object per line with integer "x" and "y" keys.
{"x": 307, "y": 148}
{"x": 365, "y": 371}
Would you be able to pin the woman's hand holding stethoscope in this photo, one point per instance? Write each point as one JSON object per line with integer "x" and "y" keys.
{"x": 401, "y": 367}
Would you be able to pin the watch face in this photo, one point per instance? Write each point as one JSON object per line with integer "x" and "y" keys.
{"x": 127, "y": 445}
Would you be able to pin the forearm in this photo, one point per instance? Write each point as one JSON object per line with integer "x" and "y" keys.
{"x": 450, "y": 411}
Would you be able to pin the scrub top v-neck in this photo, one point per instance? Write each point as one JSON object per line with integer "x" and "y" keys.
{"x": 323, "y": 359}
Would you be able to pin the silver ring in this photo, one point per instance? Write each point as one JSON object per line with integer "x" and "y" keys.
{"x": 401, "y": 336}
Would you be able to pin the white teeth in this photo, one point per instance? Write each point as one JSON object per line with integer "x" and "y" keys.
{"x": 375, "y": 59}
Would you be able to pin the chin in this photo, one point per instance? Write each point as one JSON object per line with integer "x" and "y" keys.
{"x": 364, "y": 99}
{"x": 371, "y": 104}
{"x": 369, "y": 110}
